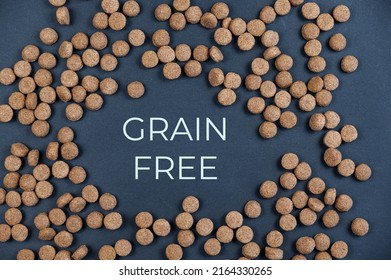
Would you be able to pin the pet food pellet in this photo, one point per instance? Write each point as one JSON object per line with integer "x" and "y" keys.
{"x": 256, "y": 27}
{"x": 42, "y": 221}
{"x": 183, "y": 52}
{"x": 246, "y": 41}
{"x": 27, "y": 182}
{"x": 166, "y": 54}
{"x": 80, "y": 253}
{"x": 41, "y": 172}
{"x": 316, "y": 185}
{"x": 234, "y": 219}
{"x": 144, "y": 236}
{"x": 330, "y": 218}
{"x": 131, "y": 8}
{"x": 174, "y": 252}
{"x": 13, "y": 216}
{"x": 190, "y": 204}
{"x": 107, "y": 201}
{"x": 57, "y": 3}
{"x": 363, "y": 172}
{"x": 47, "y": 95}
{"x": 284, "y": 205}
{"x": 331, "y": 82}
{"x": 316, "y": 64}
{"x": 270, "y": 38}
{"x": 346, "y": 167}
{"x": 288, "y": 180}
{"x": 220, "y": 10}
{"x": 65, "y": 50}
{"x": 317, "y": 122}
{"x": 216, "y": 54}
{"x": 295, "y": 3}
{"x": 337, "y": 42}
{"x": 69, "y": 78}
{"x": 62, "y": 15}
{"x": 12, "y": 163}
{"x": 75, "y": 62}
{"x": 343, "y": 203}
{"x": 313, "y": 48}
{"x": 268, "y": 89}
{"x": 136, "y": 90}
{"x": 201, "y": 53}
{"x": 52, "y": 150}
{"x": 310, "y": 31}
{"x": 341, "y": 13}
{"x": 177, "y": 21}
{"x": 11, "y": 180}
{"x": 283, "y": 62}
{"x": 185, "y": 238}
{"x": 274, "y": 253}
{"x": 244, "y": 234}
{"x": 289, "y": 161}
{"x": 43, "y": 112}
{"x": 110, "y": 6}
{"x": 192, "y": 68}
{"x": 287, "y": 222}
{"x": 226, "y": 97}
{"x": 98, "y": 41}
{"x": 260, "y": 66}
{"x": 90, "y": 57}
{"x": 315, "y": 204}
{"x": 108, "y": 86}
{"x": 100, "y": 20}
{"x": 216, "y": 77}
{"x": 113, "y": 221}
{"x": 13, "y": 199}
{"x": 339, "y": 249}
{"x": 359, "y": 227}
{"x": 108, "y": 62}
{"x": 107, "y": 252}
{"x": 7, "y": 76}
{"x": 172, "y": 71}
{"x": 307, "y": 217}
{"x": 33, "y": 158}
{"x": 123, "y": 247}
{"x": 322, "y": 242}
{"x": 251, "y": 250}
{"x": 79, "y": 94}
{"x": 288, "y": 120}
{"x": 181, "y": 5}
{"x": 223, "y": 36}
{"x": 26, "y": 255}
{"x": 267, "y": 130}
{"x": 2, "y": 195}
{"x": 47, "y": 252}
{"x": 209, "y": 21}
{"x": 272, "y": 113}
{"x": 90, "y": 194}
{"x": 44, "y": 189}
{"x": 74, "y": 223}
{"x": 252, "y": 209}
{"x": 310, "y": 10}
{"x": 267, "y": 14}
{"x": 299, "y": 257}
{"x": 74, "y": 112}
{"x": 162, "y": 12}
{"x": 204, "y": 226}
{"x": 193, "y": 14}
{"x": 46, "y": 234}
{"x": 212, "y": 247}
{"x": 57, "y": 216}
{"x": 300, "y": 199}
{"x": 274, "y": 239}
{"x": 94, "y": 102}
{"x": 6, "y": 113}
{"x": 253, "y": 82}
{"x": 323, "y": 256}
{"x": 94, "y": 220}
{"x": 25, "y": 116}
{"x": 268, "y": 189}
{"x": 332, "y": 119}
{"x": 325, "y": 22}
{"x": 30, "y": 53}
{"x": 22, "y": 69}
{"x": 232, "y": 80}
{"x": 330, "y": 196}
{"x": 77, "y": 175}
{"x": 27, "y": 85}
{"x": 31, "y": 101}
{"x": 77, "y": 204}
{"x": 161, "y": 38}
{"x": 237, "y": 26}
{"x": 284, "y": 79}
{"x": 282, "y": 7}
{"x": 303, "y": 171}
{"x": 224, "y": 234}
{"x": 48, "y": 36}
{"x": 17, "y": 100}
{"x": 315, "y": 84}
{"x": 69, "y": 151}
{"x": 63, "y": 255}
{"x": 143, "y": 219}
{"x": 184, "y": 221}
{"x": 271, "y": 53}
{"x": 305, "y": 245}
{"x": 349, "y": 133}
{"x": 161, "y": 227}
{"x": 136, "y": 37}
{"x": 60, "y": 169}
{"x": 64, "y": 200}
{"x": 65, "y": 135}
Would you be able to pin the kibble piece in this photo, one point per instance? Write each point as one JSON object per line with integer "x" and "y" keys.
{"x": 52, "y": 150}
{"x": 143, "y": 219}
{"x": 270, "y": 38}
{"x": 47, "y": 252}
{"x": 25, "y": 116}
{"x": 26, "y": 255}
{"x": 212, "y": 247}
{"x": 46, "y": 234}
{"x": 108, "y": 62}
{"x": 343, "y": 203}
{"x": 113, "y": 221}
{"x": 172, "y": 71}
{"x": 303, "y": 171}
{"x": 177, "y": 21}
{"x": 274, "y": 253}
{"x": 11, "y": 180}
{"x": 62, "y": 15}
{"x": 209, "y": 20}
{"x": 77, "y": 175}
{"x": 6, "y": 113}
{"x": 267, "y": 14}
{"x": 100, "y": 20}
{"x": 63, "y": 255}
{"x": 162, "y": 12}
{"x": 268, "y": 189}
{"x": 337, "y": 42}
{"x": 316, "y": 185}
{"x": 123, "y": 247}
{"x": 201, "y": 53}
{"x": 251, "y": 250}
{"x": 41, "y": 172}
{"x": 193, "y": 68}
{"x": 283, "y": 62}
{"x": 226, "y": 97}
{"x": 7, "y": 76}
{"x": 161, "y": 227}
{"x": 107, "y": 252}
{"x": 161, "y": 38}
{"x": 268, "y": 89}
{"x": 44, "y": 189}
{"x": 232, "y": 80}
{"x": 184, "y": 221}
{"x": 94, "y": 102}
{"x": 363, "y": 172}
{"x": 289, "y": 161}
{"x": 246, "y": 41}
{"x": 193, "y": 14}
{"x": 267, "y": 130}
{"x": 341, "y": 13}
{"x": 223, "y": 36}
{"x": 237, "y": 26}
{"x": 48, "y": 36}
{"x": 65, "y": 50}
{"x": 287, "y": 222}
{"x": 339, "y": 249}
{"x": 284, "y": 79}
{"x": 316, "y": 64}
{"x": 12, "y": 163}
{"x": 244, "y": 234}
{"x": 330, "y": 218}
{"x": 69, "y": 78}
{"x": 307, "y": 217}
{"x": 204, "y": 227}
{"x": 346, "y": 167}
{"x": 69, "y": 151}
{"x": 32, "y": 100}
{"x": 190, "y": 204}
{"x": 234, "y": 219}
{"x": 216, "y": 77}
{"x": 288, "y": 180}
{"x": 60, "y": 169}
{"x": 310, "y": 31}
{"x": 288, "y": 119}
{"x": 317, "y": 122}
{"x": 183, "y": 52}
{"x": 359, "y": 227}
{"x": 174, "y": 252}
{"x": 136, "y": 90}
{"x": 13, "y": 199}
{"x": 310, "y": 10}
{"x": 253, "y": 82}
{"x": 43, "y": 112}
{"x": 224, "y": 234}
{"x": 110, "y": 6}
{"x": 27, "y": 182}
{"x": 74, "y": 223}
{"x": 323, "y": 98}
{"x": 57, "y": 216}
{"x": 77, "y": 204}
{"x": 107, "y": 201}
{"x": 256, "y": 27}
{"x": 282, "y": 7}
{"x": 94, "y": 220}
{"x": 2, "y": 195}
{"x": 299, "y": 257}
{"x": 22, "y": 69}
{"x": 260, "y": 66}
{"x": 75, "y": 63}
{"x": 220, "y": 10}
{"x": 74, "y": 112}
{"x": 98, "y": 41}
{"x": 64, "y": 200}
{"x": 47, "y": 95}
{"x": 330, "y": 196}
{"x": 322, "y": 242}
{"x": 332, "y": 119}
{"x": 65, "y": 135}
{"x": 274, "y": 239}
{"x": 13, "y": 216}
{"x": 57, "y": 3}
{"x": 80, "y": 253}
{"x": 315, "y": 204}
{"x": 295, "y": 3}
{"x": 284, "y": 205}
{"x": 131, "y": 8}
{"x": 166, "y": 54}
{"x": 26, "y": 85}
{"x": 332, "y": 157}
{"x": 90, "y": 57}
{"x": 17, "y": 100}
{"x": 300, "y": 199}
{"x": 349, "y": 133}
{"x": 47, "y": 61}
{"x": 144, "y": 236}
{"x": 325, "y": 22}
{"x": 108, "y": 86}
{"x": 313, "y": 48}
{"x": 30, "y": 53}
{"x": 90, "y": 194}
{"x": 271, "y": 53}
{"x": 305, "y": 245}
{"x": 33, "y": 158}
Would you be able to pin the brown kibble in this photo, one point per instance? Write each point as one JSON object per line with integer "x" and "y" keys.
{"x": 223, "y": 36}
{"x": 234, "y": 219}
{"x": 316, "y": 185}
{"x": 289, "y": 161}
{"x": 288, "y": 222}
{"x": 246, "y": 41}
{"x": 251, "y": 250}
{"x": 69, "y": 151}
{"x": 7, "y": 76}
{"x": 310, "y": 10}
{"x": 177, "y": 21}
{"x": 80, "y": 253}
{"x": 282, "y": 7}
{"x": 75, "y": 63}
{"x": 267, "y": 14}
{"x": 136, "y": 90}
{"x": 322, "y": 242}
{"x": 172, "y": 71}
{"x": 307, "y": 216}
{"x": 69, "y": 78}
{"x": 288, "y": 180}
{"x": 110, "y": 6}
{"x": 108, "y": 62}
{"x": 184, "y": 221}
{"x": 161, "y": 227}
{"x": 90, "y": 57}
{"x": 226, "y": 97}
{"x": 209, "y": 20}
{"x": 359, "y": 227}
{"x": 2, "y": 195}
{"x": 271, "y": 53}
{"x": 162, "y": 12}
{"x": 303, "y": 171}
{"x": 244, "y": 234}
{"x": 283, "y": 62}
{"x": 331, "y": 82}
{"x": 107, "y": 252}
{"x": 13, "y": 199}
{"x": 64, "y": 200}
{"x": 143, "y": 219}
{"x": 42, "y": 221}
{"x": 98, "y": 41}
{"x": 43, "y": 112}
{"x": 201, "y": 53}
{"x": 62, "y": 15}
{"x": 26, "y": 255}
{"x": 310, "y": 31}
{"x": 11, "y": 180}
{"x": 74, "y": 112}
{"x": 136, "y": 37}
{"x": 65, "y": 50}
{"x": 237, "y": 26}
{"x": 343, "y": 203}
{"x": 317, "y": 122}
{"x": 33, "y": 158}
{"x": 174, "y": 252}
{"x": 232, "y": 80}
{"x": 305, "y": 245}
{"x": 332, "y": 157}
{"x": 6, "y": 113}
{"x": 57, "y": 216}
{"x": 268, "y": 189}
{"x": 349, "y": 133}
{"x": 268, "y": 89}
{"x": 108, "y": 86}
{"x": 274, "y": 239}
{"x": 220, "y": 10}
{"x": 315, "y": 204}
{"x": 224, "y": 234}
{"x": 144, "y": 236}
{"x": 17, "y": 100}
{"x": 107, "y": 201}
{"x": 48, "y": 36}
{"x": 216, "y": 77}
{"x": 31, "y": 101}
{"x": 337, "y": 42}
{"x": 300, "y": 199}
{"x": 46, "y": 234}
{"x": 65, "y": 135}
{"x": 185, "y": 238}
{"x": 27, "y": 182}
{"x": 44, "y": 189}
{"x": 77, "y": 204}
{"x": 94, "y": 220}
{"x": 94, "y": 102}
{"x": 216, "y": 54}
{"x": 113, "y": 221}
{"x": 117, "y": 21}
{"x": 47, "y": 95}
{"x": 330, "y": 196}
{"x": 253, "y": 209}
{"x": 346, "y": 167}
{"x": 41, "y": 172}
{"x": 270, "y": 38}
{"x": 260, "y": 66}
{"x": 323, "y": 98}
{"x": 284, "y": 206}
{"x": 253, "y": 82}
{"x": 313, "y": 48}
{"x": 193, "y": 14}
{"x": 332, "y": 119}
{"x": 330, "y": 218}
{"x": 13, "y": 216}
{"x": 26, "y": 85}
{"x": 5, "y": 232}
{"x": 341, "y": 13}
{"x": 166, "y": 54}
{"x": 363, "y": 172}
{"x": 77, "y": 175}
{"x": 100, "y": 20}
{"x": 339, "y": 249}
{"x": 52, "y": 150}
{"x": 204, "y": 227}
{"x": 60, "y": 169}
{"x": 63, "y": 255}
{"x": 47, "y": 252}
{"x": 256, "y": 27}
{"x": 131, "y": 8}
{"x": 183, "y": 52}
{"x": 161, "y": 38}
{"x": 74, "y": 223}
{"x": 316, "y": 64}
{"x": 267, "y": 130}
{"x": 193, "y": 68}
{"x": 212, "y": 247}
{"x": 190, "y": 204}
{"x": 90, "y": 194}
{"x": 12, "y": 163}
{"x": 47, "y": 61}
{"x": 274, "y": 253}
{"x": 284, "y": 79}
{"x": 299, "y": 257}
{"x": 325, "y": 22}
{"x": 30, "y": 53}
{"x": 25, "y": 116}
{"x": 123, "y": 247}
{"x": 22, "y": 69}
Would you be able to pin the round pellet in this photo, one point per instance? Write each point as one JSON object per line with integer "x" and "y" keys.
{"x": 212, "y": 247}
{"x": 123, "y": 247}
{"x": 161, "y": 227}
{"x": 310, "y": 31}
{"x": 117, "y": 21}
{"x": 47, "y": 252}
{"x": 100, "y": 20}
{"x": 174, "y": 252}
{"x": 268, "y": 189}
{"x": 216, "y": 77}
{"x": 177, "y": 21}
{"x": 299, "y": 199}
{"x": 25, "y": 254}
{"x": 226, "y": 97}
{"x": 108, "y": 86}
{"x": 107, "y": 201}
{"x": 287, "y": 222}
{"x": 90, "y": 194}
{"x": 77, "y": 204}
{"x": 303, "y": 171}
{"x": 346, "y": 167}
{"x": 310, "y": 10}
{"x": 251, "y": 250}
{"x": 274, "y": 239}
{"x": 107, "y": 252}
{"x": 330, "y": 218}
{"x": 64, "y": 200}
{"x": 341, "y": 13}
{"x": 267, "y": 14}
{"x": 48, "y": 36}
{"x": 316, "y": 185}
{"x": 162, "y": 12}
{"x": 322, "y": 242}
{"x": 305, "y": 245}
{"x": 112, "y": 221}
{"x": 244, "y": 234}
{"x": 13, "y": 199}
{"x": 363, "y": 172}
{"x": 325, "y": 22}
{"x": 268, "y": 89}
{"x": 74, "y": 223}
{"x": 172, "y": 71}
{"x": 339, "y": 249}
{"x": 144, "y": 236}
{"x": 252, "y": 209}
{"x": 44, "y": 189}
{"x": 94, "y": 220}
{"x": 253, "y": 82}
{"x": 359, "y": 227}
{"x": 131, "y": 8}
{"x": 108, "y": 62}
{"x": 234, "y": 219}
{"x": 224, "y": 234}
{"x": 274, "y": 253}
{"x": 329, "y": 196}
{"x": 143, "y": 219}
{"x": 80, "y": 253}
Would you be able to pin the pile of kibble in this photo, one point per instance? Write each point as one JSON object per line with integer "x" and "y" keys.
{"x": 37, "y": 93}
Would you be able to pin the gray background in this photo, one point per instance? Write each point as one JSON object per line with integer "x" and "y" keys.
{"x": 245, "y": 160}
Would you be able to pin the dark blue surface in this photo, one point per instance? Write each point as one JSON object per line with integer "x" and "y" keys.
{"x": 244, "y": 160}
